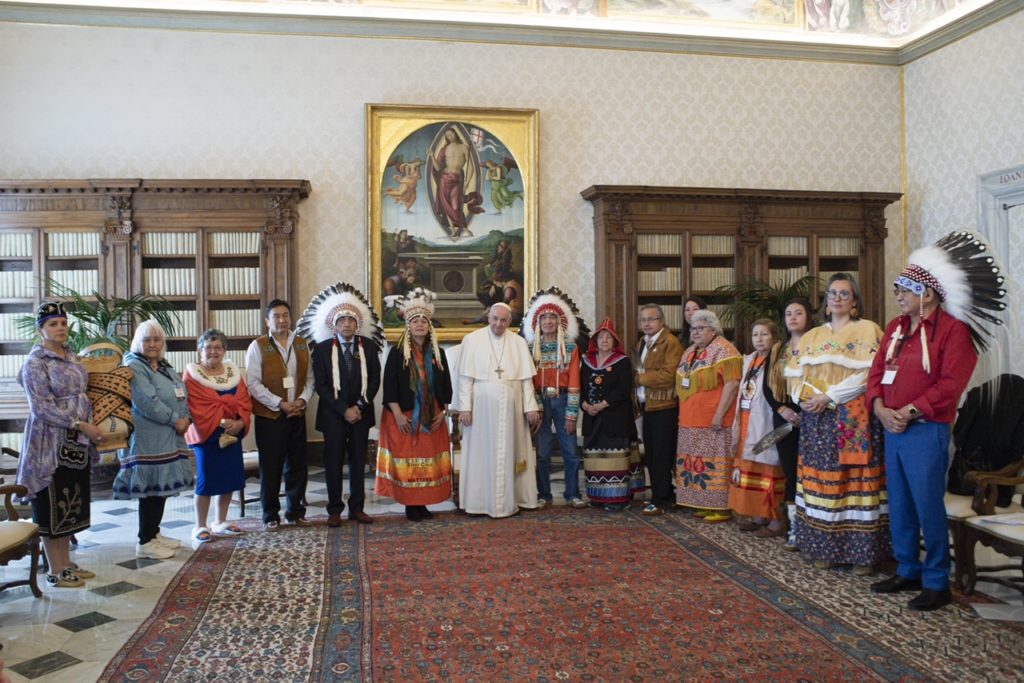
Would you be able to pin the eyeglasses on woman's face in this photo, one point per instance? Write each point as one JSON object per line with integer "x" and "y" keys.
{"x": 699, "y": 328}
{"x": 840, "y": 294}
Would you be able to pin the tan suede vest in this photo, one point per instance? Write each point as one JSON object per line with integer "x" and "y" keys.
{"x": 274, "y": 372}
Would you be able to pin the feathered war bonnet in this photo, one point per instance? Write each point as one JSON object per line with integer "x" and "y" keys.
{"x": 965, "y": 277}
{"x": 418, "y": 303}
{"x": 341, "y": 300}
{"x": 570, "y": 323}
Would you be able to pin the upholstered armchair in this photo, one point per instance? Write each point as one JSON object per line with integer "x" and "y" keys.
{"x": 17, "y": 539}
{"x": 985, "y": 528}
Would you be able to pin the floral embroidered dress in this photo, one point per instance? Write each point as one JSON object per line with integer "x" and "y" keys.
{"x": 704, "y": 455}
{"x": 56, "y": 458}
{"x": 842, "y": 506}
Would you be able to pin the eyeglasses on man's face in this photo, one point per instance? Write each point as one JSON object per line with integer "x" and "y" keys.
{"x": 649, "y": 320}
{"x": 841, "y": 294}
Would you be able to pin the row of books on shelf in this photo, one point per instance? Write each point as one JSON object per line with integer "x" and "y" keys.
{"x": 838, "y": 246}
{"x": 82, "y": 281}
{"x": 85, "y": 244}
{"x": 9, "y": 326}
{"x": 9, "y": 365}
{"x": 239, "y": 323}
{"x": 710, "y": 279}
{"x": 787, "y": 246}
{"x": 168, "y": 243}
{"x": 13, "y": 440}
{"x": 244, "y": 281}
{"x": 17, "y": 284}
{"x": 713, "y": 245}
{"x": 777, "y": 275}
{"x": 666, "y": 279}
{"x": 16, "y": 245}
{"x": 234, "y": 243}
{"x": 186, "y": 324}
{"x": 169, "y": 281}
{"x": 658, "y": 245}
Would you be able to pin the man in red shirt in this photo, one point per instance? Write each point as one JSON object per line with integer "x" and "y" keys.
{"x": 914, "y": 386}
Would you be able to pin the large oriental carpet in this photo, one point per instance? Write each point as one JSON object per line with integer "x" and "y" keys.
{"x": 548, "y": 596}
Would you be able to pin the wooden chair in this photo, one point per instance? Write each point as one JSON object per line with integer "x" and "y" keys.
{"x": 985, "y": 528}
{"x": 959, "y": 509}
{"x": 251, "y": 464}
{"x": 18, "y": 538}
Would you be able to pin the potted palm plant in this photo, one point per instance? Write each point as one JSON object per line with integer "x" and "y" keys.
{"x": 755, "y": 299}
{"x": 100, "y": 318}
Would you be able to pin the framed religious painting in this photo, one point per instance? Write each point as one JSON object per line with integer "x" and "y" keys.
{"x": 452, "y": 208}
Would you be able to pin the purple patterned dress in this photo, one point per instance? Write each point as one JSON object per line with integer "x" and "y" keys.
{"x": 54, "y": 462}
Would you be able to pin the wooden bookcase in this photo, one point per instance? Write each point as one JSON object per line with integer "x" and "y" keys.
{"x": 663, "y": 244}
{"x": 218, "y": 249}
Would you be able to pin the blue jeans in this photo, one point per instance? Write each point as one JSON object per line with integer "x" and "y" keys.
{"x": 554, "y": 414}
{"x": 915, "y": 468}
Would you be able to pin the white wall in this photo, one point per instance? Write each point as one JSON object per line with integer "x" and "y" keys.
{"x": 965, "y": 118}
{"x": 95, "y": 102}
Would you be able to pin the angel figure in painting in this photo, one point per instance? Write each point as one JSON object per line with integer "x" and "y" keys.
{"x": 408, "y": 177}
{"x": 497, "y": 174}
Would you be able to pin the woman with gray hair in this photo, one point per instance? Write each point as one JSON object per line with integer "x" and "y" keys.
{"x": 156, "y": 465}
{"x": 707, "y": 380}
{"x": 221, "y": 409}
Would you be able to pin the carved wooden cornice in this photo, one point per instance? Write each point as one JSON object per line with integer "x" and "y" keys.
{"x": 628, "y": 193}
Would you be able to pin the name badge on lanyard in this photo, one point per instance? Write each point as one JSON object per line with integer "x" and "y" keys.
{"x": 890, "y": 376}
{"x": 745, "y": 404}
{"x": 179, "y": 392}
{"x": 686, "y": 383}
{"x": 289, "y": 382}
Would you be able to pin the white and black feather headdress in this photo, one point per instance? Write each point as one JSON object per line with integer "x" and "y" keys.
{"x": 317, "y": 322}
{"x": 962, "y": 271}
{"x": 570, "y": 323}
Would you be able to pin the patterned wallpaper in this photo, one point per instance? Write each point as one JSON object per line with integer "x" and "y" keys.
{"x": 96, "y": 102}
{"x": 965, "y": 118}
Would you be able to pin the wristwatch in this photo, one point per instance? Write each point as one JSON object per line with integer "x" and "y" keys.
{"x": 914, "y": 412}
{"x": 75, "y": 425}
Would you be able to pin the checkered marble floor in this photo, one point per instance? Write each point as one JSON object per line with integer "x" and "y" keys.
{"x": 69, "y": 634}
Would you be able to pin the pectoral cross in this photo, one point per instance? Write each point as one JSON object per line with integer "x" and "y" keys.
{"x": 498, "y": 371}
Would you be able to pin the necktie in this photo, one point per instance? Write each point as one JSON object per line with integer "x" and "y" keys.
{"x": 348, "y": 357}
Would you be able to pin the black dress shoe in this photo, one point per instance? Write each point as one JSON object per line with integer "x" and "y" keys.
{"x": 412, "y": 513}
{"x": 896, "y": 584}
{"x": 930, "y": 599}
{"x": 360, "y": 516}
{"x": 425, "y": 513}
{"x": 334, "y": 520}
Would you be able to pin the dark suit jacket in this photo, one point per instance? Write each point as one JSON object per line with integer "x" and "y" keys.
{"x": 330, "y": 410}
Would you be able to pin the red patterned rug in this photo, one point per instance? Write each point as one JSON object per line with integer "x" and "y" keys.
{"x": 549, "y": 596}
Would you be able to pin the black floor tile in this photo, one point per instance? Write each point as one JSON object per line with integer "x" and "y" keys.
{"x": 317, "y": 504}
{"x": 138, "y": 563}
{"x": 320, "y": 492}
{"x": 44, "y": 664}
{"x": 176, "y": 523}
{"x": 84, "y": 621}
{"x": 113, "y": 589}
{"x": 117, "y": 512}
{"x": 320, "y": 477}
{"x": 104, "y": 526}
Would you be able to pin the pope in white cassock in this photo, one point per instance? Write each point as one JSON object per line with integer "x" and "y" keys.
{"x": 497, "y": 409}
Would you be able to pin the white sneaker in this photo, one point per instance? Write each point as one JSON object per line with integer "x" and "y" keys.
{"x": 153, "y": 550}
{"x": 167, "y": 542}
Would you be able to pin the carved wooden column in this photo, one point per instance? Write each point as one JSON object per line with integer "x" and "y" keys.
{"x": 875, "y": 233}
{"x": 615, "y": 256}
{"x": 119, "y": 275}
{"x": 278, "y": 257}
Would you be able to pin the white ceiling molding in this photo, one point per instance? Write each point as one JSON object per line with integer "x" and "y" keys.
{"x": 505, "y": 29}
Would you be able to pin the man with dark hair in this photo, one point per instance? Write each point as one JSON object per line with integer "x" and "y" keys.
{"x": 280, "y": 380}
{"x": 660, "y": 353}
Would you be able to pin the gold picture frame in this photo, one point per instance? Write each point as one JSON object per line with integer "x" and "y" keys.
{"x": 452, "y": 203}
